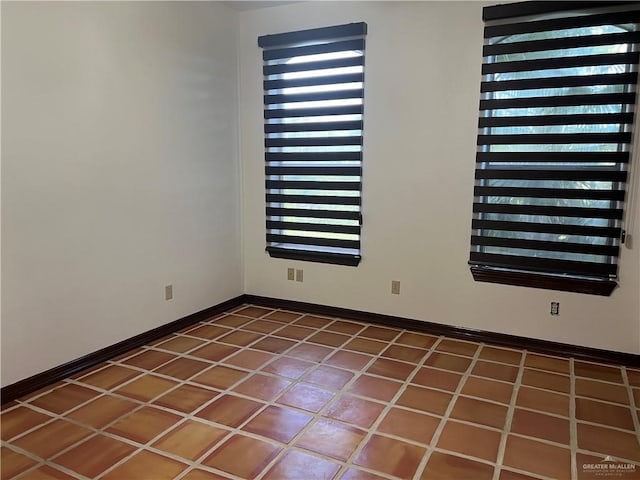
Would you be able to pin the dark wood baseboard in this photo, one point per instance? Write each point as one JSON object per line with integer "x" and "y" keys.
{"x": 493, "y": 338}
{"x": 41, "y": 380}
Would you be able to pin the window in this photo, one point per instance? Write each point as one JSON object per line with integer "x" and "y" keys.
{"x": 313, "y": 109}
{"x": 554, "y": 133}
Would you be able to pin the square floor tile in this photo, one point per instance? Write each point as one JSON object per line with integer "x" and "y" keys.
{"x": 380, "y": 333}
{"x": 330, "y": 339}
{"x": 52, "y": 438}
{"x": 273, "y": 345}
{"x": 186, "y": 398}
{"x": 149, "y": 359}
{"x": 198, "y": 474}
{"x": 526, "y": 454}
{"x": 357, "y": 474}
{"x": 262, "y": 387}
{"x": 539, "y": 425}
{"x": 13, "y": 463}
{"x": 390, "y": 456}
{"x": 501, "y": 355}
{"x": 469, "y": 440}
{"x": 146, "y": 388}
{"x": 448, "y": 362}
{"x": 19, "y": 420}
{"x": 232, "y": 320}
{"x": 313, "y": 321}
{"x": 608, "y": 441}
{"x": 385, "y": 367}
{"x": 602, "y": 391}
{"x": 487, "y": 389}
{"x": 306, "y": 397}
{"x": 595, "y": 371}
{"x": 209, "y": 332}
{"x": 356, "y": 411}
{"x": 604, "y": 413}
{"x": 180, "y": 344}
{"x": 65, "y": 398}
{"x": 425, "y": 399}
{"x": 243, "y": 456}
{"x": 240, "y": 338}
{"x": 348, "y": 328}
{"x": 510, "y": 475}
{"x": 220, "y": 377}
{"x": 374, "y": 387}
{"x": 262, "y": 326}
{"x": 442, "y": 466}
{"x": 364, "y": 345}
{"x": 284, "y": 317}
{"x": 46, "y": 473}
{"x": 458, "y": 347}
{"x": 496, "y": 371}
{"x": 190, "y": 439}
{"x": 406, "y": 354}
{"x": 434, "y": 378}
{"x": 143, "y": 425}
{"x": 312, "y": 353}
{"x": 230, "y": 410}
{"x": 419, "y": 340}
{"x": 543, "y": 401}
{"x": 294, "y": 332}
{"x": 249, "y": 359}
{"x": 332, "y": 439}
{"x": 102, "y": 411}
{"x": 277, "y": 423}
{"x": 348, "y": 360}
{"x": 546, "y": 380}
{"x": 633, "y": 376}
{"x": 295, "y": 465}
{"x": 182, "y": 368}
{"x": 95, "y": 455}
{"x": 289, "y": 367}
{"x": 480, "y": 412}
{"x": 110, "y": 377}
{"x": 329, "y": 377}
{"x": 214, "y": 352}
{"x": 147, "y": 465}
{"x": 254, "y": 312}
{"x": 544, "y": 362}
{"x": 418, "y": 427}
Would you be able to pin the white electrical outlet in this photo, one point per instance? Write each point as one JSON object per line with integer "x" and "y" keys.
{"x": 291, "y": 274}
{"x": 299, "y": 275}
{"x": 395, "y": 287}
{"x": 168, "y": 292}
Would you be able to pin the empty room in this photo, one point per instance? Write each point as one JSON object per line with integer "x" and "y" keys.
{"x": 299, "y": 240}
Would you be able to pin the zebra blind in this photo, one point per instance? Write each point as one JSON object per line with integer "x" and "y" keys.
{"x": 558, "y": 95}
{"x": 313, "y": 109}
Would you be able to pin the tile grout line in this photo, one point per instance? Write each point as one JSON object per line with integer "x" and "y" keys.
{"x": 506, "y": 430}
{"x": 446, "y": 415}
{"x": 573, "y": 423}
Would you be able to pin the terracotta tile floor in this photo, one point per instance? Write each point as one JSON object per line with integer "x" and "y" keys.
{"x": 258, "y": 393}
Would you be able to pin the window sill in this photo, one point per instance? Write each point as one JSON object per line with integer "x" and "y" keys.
{"x": 539, "y": 280}
{"x": 318, "y": 257}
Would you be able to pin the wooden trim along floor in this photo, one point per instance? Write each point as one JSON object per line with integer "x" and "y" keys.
{"x": 40, "y": 380}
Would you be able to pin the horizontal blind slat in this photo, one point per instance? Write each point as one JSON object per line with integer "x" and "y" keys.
{"x": 555, "y": 228}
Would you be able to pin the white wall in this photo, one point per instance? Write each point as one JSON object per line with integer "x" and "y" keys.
{"x": 119, "y": 173}
{"x": 421, "y": 98}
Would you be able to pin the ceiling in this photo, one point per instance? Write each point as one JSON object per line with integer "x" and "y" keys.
{"x": 241, "y": 5}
